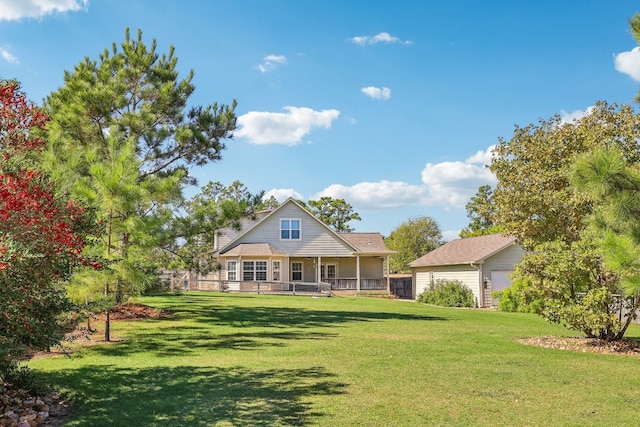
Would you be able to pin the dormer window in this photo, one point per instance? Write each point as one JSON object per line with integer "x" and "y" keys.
{"x": 290, "y": 229}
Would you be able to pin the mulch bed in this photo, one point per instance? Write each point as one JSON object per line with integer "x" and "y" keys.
{"x": 586, "y": 345}
{"x": 131, "y": 311}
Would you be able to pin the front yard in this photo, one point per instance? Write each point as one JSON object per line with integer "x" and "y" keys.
{"x": 238, "y": 360}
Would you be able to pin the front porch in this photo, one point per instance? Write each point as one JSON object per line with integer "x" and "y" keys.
{"x": 328, "y": 286}
{"x": 183, "y": 280}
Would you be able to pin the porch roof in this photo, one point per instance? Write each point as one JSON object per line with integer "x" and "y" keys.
{"x": 367, "y": 243}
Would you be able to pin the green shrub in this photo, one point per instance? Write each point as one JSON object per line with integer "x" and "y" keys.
{"x": 448, "y": 293}
{"x": 520, "y": 297}
{"x": 596, "y": 314}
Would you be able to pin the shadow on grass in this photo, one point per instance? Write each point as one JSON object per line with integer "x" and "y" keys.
{"x": 282, "y": 317}
{"x": 194, "y": 327}
{"x": 205, "y": 309}
{"x": 186, "y": 340}
{"x": 196, "y": 396}
{"x": 212, "y": 322}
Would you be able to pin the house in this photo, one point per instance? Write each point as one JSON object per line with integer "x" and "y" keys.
{"x": 482, "y": 263}
{"x": 289, "y": 247}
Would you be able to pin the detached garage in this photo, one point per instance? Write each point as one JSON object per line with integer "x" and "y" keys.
{"x": 482, "y": 263}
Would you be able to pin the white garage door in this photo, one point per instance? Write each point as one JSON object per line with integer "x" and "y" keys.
{"x": 499, "y": 281}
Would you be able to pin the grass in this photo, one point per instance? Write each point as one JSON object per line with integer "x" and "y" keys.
{"x": 247, "y": 360}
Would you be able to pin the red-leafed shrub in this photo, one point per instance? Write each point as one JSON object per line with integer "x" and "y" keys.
{"x": 41, "y": 235}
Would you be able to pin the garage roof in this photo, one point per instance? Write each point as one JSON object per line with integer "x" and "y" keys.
{"x": 465, "y": 251}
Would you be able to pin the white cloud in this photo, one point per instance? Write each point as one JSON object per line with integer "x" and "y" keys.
{"x": 450, "y": 235}
{"x": 376, "y": 92}
{"x": 282, "y": 194}
{"x": 288, "y": 128}
{"x": 14, "y": 10}
{"x": 270, "y": 62}
{"x": 376, "y": 195}
{"x": 566, "y": 117}
{"x": 7, "y": 56}
{"x": 449, "y": 185}
{"x": 482, "y": 157}
{"x": 378, "y": 38}
{"x": 452, "y": 184}
{"x": 629, "y": 63}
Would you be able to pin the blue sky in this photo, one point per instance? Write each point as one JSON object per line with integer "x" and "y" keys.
{"x": 392, "y": 106}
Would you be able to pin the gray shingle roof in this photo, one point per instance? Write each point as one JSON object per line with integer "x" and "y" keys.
{"x": 464, "y": 251}
{"x": 367, "y": 242}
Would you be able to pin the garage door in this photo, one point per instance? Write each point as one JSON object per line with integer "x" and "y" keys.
{"x": 499, "y": 281}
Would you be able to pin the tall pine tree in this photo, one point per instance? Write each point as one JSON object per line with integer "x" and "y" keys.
{"x": 123, "y": 138}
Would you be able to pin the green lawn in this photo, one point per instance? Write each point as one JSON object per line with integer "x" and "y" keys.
{"x": 249, "y": 360}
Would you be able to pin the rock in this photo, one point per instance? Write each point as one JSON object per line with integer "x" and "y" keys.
{"x": 41, "y": 407}
{"x": 30, "y": 415}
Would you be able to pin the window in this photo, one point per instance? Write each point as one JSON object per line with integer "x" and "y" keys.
{"x": 254, "y": 270}
{"x": 328, "y": 271}
{"x": 296, "y": 271}
{"x": 290, "y": 229}
{"x": 276, "y": 271}
{"x": 232, "y": 270}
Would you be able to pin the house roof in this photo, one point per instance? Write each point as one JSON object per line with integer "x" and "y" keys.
{"x": 465, "y": 251}
{"x": 254, "y": 249}
{"x": 367, "y": 242}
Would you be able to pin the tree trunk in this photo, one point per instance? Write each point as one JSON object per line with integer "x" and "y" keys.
{"x": 630, "y": 317}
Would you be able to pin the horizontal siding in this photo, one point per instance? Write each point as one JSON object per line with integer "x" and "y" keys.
{"x": 504, "y": 260}
{"x": 316, "y": 239}
{"x": 466, "y": 274}
{"x": 421, "y": 280}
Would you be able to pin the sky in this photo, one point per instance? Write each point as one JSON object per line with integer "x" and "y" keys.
{"x": 392, "y": 106}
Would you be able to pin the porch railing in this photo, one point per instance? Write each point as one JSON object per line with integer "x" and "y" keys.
{"x": 174, "y": 280}
{"x": 351, "y": 284}
{"x": 281, "y": 287}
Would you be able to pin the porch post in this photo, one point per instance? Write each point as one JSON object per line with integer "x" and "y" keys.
{"x": 318, "y": 270}
{"x": 388, "y": 279}
{"x": 358, "y": 273}
{"x": 239, "y": 274}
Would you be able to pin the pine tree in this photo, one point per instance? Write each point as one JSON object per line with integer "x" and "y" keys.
{"x": 122, "y": 138}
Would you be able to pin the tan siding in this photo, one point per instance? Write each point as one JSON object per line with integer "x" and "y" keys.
{"x": 371, "y": 267}
{"x": 226, "y": 235}
{"x": 309, "y": 267}
{"x": 316, "y": 239}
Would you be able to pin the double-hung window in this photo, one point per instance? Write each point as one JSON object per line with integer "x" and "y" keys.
{"x": 296, "y": 271}
{"x": 254, "y": 271}
{"x": 232, "y": 270}
{"x": 290, "y": 229}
